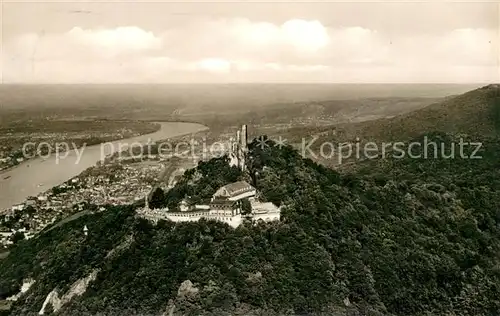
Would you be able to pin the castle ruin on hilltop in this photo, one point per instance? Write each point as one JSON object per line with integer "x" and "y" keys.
{"x": 226, "y": 203}
{"x": 239, "y": 149}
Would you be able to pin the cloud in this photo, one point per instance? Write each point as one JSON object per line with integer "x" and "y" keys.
{"x": 238, "y": 49}
{"x": 78, "y": 44}
{"x": 112, "y": 42}
{"x": 304, "y": 36}
{"x": 470, "y": 47}
{"x": 240, "y": 38}
{"x": 213, "y": 65}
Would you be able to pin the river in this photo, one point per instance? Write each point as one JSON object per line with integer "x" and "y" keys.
{"x": 35, "y": 176}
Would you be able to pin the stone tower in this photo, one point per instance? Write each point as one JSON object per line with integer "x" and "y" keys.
{"x": 237, "y": 148}
{"x": 238, "y": 138}
{"x": 243, "y": 147}
{"x": 234, "y": 153}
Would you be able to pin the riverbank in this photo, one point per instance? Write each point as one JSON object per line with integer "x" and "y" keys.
{"x": 43, "y": 174}
{"x": 22, "y": 143}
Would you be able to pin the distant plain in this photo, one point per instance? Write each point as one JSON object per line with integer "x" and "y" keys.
{"x": 218, "y": 105}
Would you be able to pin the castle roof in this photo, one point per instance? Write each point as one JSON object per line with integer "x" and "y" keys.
{"x": 234, "y": 189}
{"x": 223, "y": 205}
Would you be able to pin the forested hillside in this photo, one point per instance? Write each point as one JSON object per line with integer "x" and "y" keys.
{"x": 406, "y": 237}
{"x": 473, "y": 114}
{"x": 366, "y": 243}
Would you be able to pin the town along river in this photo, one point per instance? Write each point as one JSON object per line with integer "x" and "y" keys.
{"x": 38, "y": 175}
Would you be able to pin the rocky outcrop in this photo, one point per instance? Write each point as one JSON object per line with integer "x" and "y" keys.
{"x": 121, "y": 247}
{"x": 76, "y": 289}
{"x": 187, "y": 290}
{"x": 27, "y": 283}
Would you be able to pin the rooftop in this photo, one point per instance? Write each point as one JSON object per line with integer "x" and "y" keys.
{"x": 234, "y": 189}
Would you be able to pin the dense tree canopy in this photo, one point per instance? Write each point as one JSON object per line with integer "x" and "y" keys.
{"x": 393, "y": 237}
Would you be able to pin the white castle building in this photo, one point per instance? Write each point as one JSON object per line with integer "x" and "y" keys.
{"x": 225, "y": 205}
{"x": 235, "y": 191}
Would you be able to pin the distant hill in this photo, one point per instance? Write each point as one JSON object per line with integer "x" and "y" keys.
{"x": 475, "y": 113}
{"x": 296, "y": 117}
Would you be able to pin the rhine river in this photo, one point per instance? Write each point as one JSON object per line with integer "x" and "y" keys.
{"x": 39, "y": 175}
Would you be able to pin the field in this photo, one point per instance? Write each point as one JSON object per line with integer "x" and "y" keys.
{"x": 191, "y": 102}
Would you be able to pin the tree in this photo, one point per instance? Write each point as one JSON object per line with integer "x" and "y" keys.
{"x": 18, "y": 236}
{"x": 157, "y": 199}
{"x": 246, "y": 207}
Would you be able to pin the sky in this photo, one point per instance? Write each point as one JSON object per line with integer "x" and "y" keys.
{"x": 243, "y": 41}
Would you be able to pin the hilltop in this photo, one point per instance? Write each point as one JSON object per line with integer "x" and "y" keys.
{"x": 405, "y": 237}
{"x": 364, "y": 243}
{"x": 474, "y": 114}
